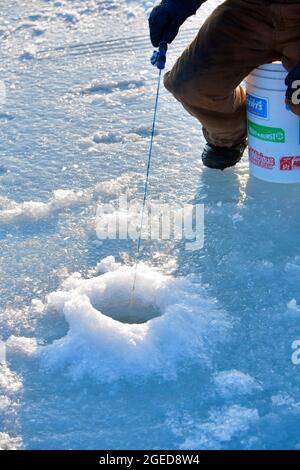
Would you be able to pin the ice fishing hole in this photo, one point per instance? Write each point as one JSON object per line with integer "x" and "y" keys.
{"x": 132, "y": 311}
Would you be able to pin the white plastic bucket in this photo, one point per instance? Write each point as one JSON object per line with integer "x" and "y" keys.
{"x": 273, "y": 130}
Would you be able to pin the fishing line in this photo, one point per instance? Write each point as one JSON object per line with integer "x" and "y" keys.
{"x": 159, "y": 60}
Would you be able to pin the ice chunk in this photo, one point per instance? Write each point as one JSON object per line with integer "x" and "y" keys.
{"x": 234, "y": 382}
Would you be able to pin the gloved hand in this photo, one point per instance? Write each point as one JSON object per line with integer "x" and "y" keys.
{"x": 289, "y": 81}
{"x": 166, "y": 19}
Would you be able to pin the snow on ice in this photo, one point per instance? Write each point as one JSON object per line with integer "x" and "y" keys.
{"x": 203, "y": 357}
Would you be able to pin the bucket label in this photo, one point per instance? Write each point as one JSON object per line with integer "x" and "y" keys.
{"x": 258, "y": 106}
{"x": 269, "y": 134}
{"x": 261, "y": 160}
{"x": 289, "y": 163}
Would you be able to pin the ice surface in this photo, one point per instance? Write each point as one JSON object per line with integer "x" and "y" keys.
{"x": 204, "y": 360}
{"x": 13, "y": 211}
{"x": 234, "y": 382}
{"x": 9, "y": 443}
{"x": 221, "y": 428}
{"x": 11, "y": 389}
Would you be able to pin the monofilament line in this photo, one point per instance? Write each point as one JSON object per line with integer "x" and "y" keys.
{"x": 146, "y": 185}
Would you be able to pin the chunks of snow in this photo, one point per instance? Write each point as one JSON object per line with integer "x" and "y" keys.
{"x": 173, "y": 320}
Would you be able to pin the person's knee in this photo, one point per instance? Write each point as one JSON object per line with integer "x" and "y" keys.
{"x": 172, "y": 84}
{"x": 182, "y": 86}
{"x": 187, "y": 80}
{"x": 204, "y": 91}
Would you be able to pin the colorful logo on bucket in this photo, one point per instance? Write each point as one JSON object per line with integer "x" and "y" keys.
{"x": 289, "y": 163}
{"x": 258, "y": 106}
{"x": 261, "y": 160}
{"x": 269, "y": 134}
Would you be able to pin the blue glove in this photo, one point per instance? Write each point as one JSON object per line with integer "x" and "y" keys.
{"x": 166, "y": 19}
{"x": 290, "y": 79}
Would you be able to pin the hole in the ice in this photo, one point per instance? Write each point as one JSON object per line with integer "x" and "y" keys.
{"x": 129, "y": 311}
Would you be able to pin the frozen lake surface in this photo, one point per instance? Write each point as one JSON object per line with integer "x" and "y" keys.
{"x": 203, "y": 359}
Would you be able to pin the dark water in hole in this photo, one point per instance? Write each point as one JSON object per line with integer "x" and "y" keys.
{"x": 130, "y": 312}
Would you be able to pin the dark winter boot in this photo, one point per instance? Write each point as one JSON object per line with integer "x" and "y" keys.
{"x": 222, "y": 157}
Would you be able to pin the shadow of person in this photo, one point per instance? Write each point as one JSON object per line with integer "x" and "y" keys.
{"x": 250, "y": 263}
{"x": 251, "y": 234}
